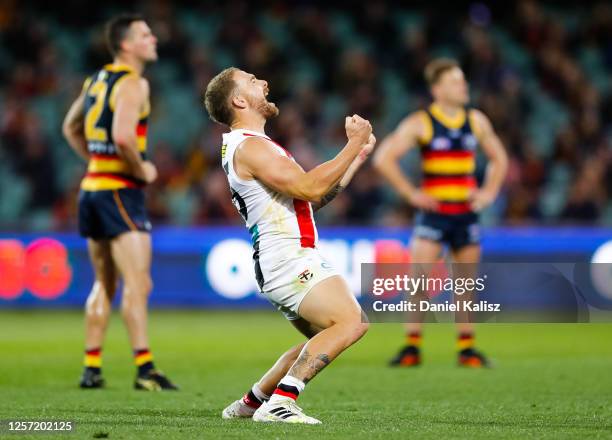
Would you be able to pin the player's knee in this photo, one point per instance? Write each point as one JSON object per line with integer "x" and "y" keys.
{"x": 109, "y": 287}
{"x": 356, "y": 326}
{"x": 147, "y": 285}
{"x": 360, "y": 329}
{"x": 141, "y": 285}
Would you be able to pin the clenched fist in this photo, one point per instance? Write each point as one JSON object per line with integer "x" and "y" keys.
{"x": 358, "y": 129}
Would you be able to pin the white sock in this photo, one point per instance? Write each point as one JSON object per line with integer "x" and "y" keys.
{"x": 291, "y": 382}
{"x": 258, "y": 393}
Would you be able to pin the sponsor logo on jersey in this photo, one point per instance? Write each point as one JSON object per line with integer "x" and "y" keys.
{"x": 440, "y": 143}
{"x": 469, "y": 142}
{"x": 102, "y": 148}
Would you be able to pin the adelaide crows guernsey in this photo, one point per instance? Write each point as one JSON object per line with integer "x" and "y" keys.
{"x": 448, "y": 153}
{"x": 106, "y": 169}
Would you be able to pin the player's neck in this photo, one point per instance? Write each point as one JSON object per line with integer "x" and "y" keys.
{"x": 253, "y": 123}
{"x": 125, "y": 60}
{"x": 448, "y": 109}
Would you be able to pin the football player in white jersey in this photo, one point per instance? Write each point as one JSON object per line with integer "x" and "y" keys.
{"x": 276, "y": 197}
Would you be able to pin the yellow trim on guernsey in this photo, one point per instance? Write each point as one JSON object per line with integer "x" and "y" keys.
{"x": 474, "y": 124}
{"x": 428, "y": 128}
{"x": 453, "y": 123}
{"x": 108, "y": 166}
{"x": 118, "y": 68}
{"x": 101, "y": 184}
{"x": 449, "y": 193}
{"x": 449, "y": 166}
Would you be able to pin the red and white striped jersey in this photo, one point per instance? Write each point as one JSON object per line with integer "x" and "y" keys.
{"x": 279, "y": 225}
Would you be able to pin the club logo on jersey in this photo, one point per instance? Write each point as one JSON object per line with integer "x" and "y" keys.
{"x": 469, "y": 142}
{"x": 440, "y": 143}
{"x": 305, "y": 276}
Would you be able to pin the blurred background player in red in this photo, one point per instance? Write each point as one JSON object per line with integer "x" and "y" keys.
{"x": 107, "y": 127}
{"x": 448, "y": 134}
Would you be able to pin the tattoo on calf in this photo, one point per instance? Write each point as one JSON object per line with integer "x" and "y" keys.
{"x": 306, "y": 367}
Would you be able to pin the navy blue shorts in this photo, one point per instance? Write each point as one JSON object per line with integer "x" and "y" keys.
{"x": 456, "y": 231}
{"x": 107, "y": 214}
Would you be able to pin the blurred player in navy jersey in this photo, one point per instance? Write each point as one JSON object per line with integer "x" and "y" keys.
{"x": 107, "y": 127}
{"x": 447, "y": 134}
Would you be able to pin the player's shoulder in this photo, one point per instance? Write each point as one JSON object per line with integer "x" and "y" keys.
{"x": 474, "y": 112}
{"x": 260, "y": 149}
{"x": 416, "y": 117}
{"x": 416, "y": 125}
{"x": 134, "y": 84}
{"x": 478, "y": 120}
{"x": 257, "y": 145}
{"x": 417, "y": 121}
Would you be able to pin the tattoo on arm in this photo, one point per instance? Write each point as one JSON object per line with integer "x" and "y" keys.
{"x": 306, "y": 367}
{"x": 331, "y": 195}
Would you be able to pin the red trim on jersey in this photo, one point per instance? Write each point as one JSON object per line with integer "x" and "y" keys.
{"x": 128, "y": 182}
{"x": 141, "y": 129}
{"x": 104, "y": 156}
{"x": 439, "y": 181}
{"x": 447, "y": 154}
{"x": 454, "y": 208}
{"x": 305, "y": 223}
{"x": 283, "y": 148}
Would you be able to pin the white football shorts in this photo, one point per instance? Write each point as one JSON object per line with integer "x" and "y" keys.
{"x": 288, "y": 280}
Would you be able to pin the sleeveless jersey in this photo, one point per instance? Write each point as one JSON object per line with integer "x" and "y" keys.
{"x": 448, "y": 153}
{"x": 106, "y": 169}
{"x": 279, "y": 225}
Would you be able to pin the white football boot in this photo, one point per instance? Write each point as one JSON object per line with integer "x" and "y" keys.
{"x": 283, "y": 411}
{"x": 237, "y": 410}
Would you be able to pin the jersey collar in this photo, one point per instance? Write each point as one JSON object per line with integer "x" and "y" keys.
{"x": 119, "y": 68}
{"x": 454, "y": 122}
{"x": 246, "y": 132}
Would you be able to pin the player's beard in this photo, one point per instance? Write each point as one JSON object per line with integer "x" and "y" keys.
{"x": 267, "y": 109}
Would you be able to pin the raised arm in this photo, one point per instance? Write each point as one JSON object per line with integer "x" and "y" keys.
{"x": 73, "y": 127}
{"x": 132, "y": 94}
{"x": 257, "y": 158}
{"x": 389, "y": 153}
{"x": 497, "y": 157}
{"x": 348, "y": 175}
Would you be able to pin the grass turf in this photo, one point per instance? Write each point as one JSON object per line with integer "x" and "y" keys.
{"x": 550, "y": 381}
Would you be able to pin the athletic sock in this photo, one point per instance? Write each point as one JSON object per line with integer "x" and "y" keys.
{"x": 144, "y": 361}
{"x": 465, "y": 341}
{"x": 255, "y": 397}
{"x": 93, "y": 360}
{"x": 289, "y": 386}
{"x": 413, "y": 338}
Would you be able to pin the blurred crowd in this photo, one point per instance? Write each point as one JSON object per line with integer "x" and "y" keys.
{"x": 542, "y": 73}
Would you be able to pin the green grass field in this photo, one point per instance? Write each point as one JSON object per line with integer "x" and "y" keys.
{"x": 550, "y": 381}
